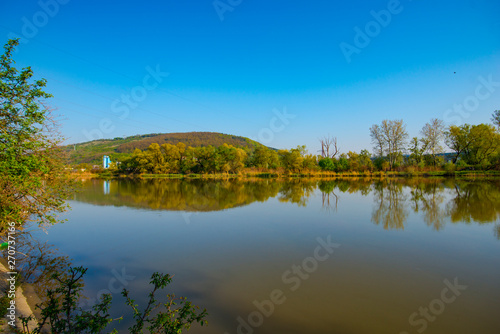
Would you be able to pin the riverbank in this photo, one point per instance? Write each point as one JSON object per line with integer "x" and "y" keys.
{"x": 25, "y": 302}
{"x": 312, "y": 174}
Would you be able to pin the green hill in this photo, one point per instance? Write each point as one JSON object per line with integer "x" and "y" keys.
{"x": 119, "y": 148}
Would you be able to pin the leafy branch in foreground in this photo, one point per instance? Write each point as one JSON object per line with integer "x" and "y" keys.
{"x": 170, "y": 320}
{"x": 60, "y": 314}
{"x": 34, "y": 182}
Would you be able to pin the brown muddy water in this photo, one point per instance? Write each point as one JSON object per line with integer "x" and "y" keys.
{"x": 347, "y": 257}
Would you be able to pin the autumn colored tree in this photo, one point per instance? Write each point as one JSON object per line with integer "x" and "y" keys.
{"x": 291, "y": 160}
{"x": 353, "y": 159}
{"x": 485, "y": 144}
{"x": 262, "y": 157}
{"x": 475, "y": 144}
{"x": 172, "y": 157}
{"x": 231, "y": 159}
{"x": 310, "y": 162}
{"x": 156, "y": 160}
{"x": 181, "y": 148}
{"x": 134, "y": 164}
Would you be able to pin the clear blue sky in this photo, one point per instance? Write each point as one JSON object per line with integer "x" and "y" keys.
{"x": 232, "y": 64}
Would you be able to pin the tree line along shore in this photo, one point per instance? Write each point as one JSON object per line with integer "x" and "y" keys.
{"x": 472, "y": 149}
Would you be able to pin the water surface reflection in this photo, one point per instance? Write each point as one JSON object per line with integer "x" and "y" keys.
{"x": 462, "y": 201}
{"x": 400, "y": 239}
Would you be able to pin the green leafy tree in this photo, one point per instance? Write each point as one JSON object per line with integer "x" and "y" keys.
{"x": 458, "y": 139}
{"x": 343, "y": 163}
{"x": 365, "y": 160}
{"x": 327, "y": 164}
{"x": 485, "y": 144}
{"x": 135, "y": 163}
{"x": 381, "y": 164}
{"x": 171, "y": 157}
{"x": 475, "y": 144}
{"x": 417, "y": 149}
{"x": 207, "y": 159}
{"x": 34, "y": 183}
{"x": 181, "y": 148}
{"x": 261, "y": 157}
{"x": 189, "y": 161}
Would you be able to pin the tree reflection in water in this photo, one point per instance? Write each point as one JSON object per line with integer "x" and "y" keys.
{"x": 477, "y": 201}
{"x": 427, "y": 196}
{"x": 391, "y": 206}
{"x": 296, "y": 191}
{"x": 328, "y": 188}
{"x": 37, "y": 262}
{"x": 436, "y": 200}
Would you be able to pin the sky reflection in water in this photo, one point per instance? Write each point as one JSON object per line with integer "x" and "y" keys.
{"x": 232, "y": 243}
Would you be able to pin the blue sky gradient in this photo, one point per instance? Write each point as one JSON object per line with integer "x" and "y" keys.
{"x": 233, "y": 65}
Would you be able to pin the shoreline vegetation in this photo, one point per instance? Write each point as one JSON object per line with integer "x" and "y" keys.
{"x": 475, "y": 150}
{"x": 312, "y": 175}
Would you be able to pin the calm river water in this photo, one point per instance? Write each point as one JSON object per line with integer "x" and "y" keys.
{"x": 347, "y": 257}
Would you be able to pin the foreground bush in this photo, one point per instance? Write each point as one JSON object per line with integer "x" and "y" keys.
{"x": 61, "y": 314}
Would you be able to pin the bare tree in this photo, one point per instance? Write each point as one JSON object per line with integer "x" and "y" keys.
{"x": 378, "y": 140}
{"x": 389, "y": 138}
{"x": 399, "y": 138}
{"x": 495, "y": 118}
{"x": 433, "y": 134}
{"x": 328, "y": 142}
{"x": 325, "y": 196}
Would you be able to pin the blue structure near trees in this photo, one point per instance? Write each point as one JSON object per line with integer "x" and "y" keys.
{"x": 106, "y": 162}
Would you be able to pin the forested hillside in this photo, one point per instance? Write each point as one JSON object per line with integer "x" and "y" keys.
{"x": 120, "y": 148}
